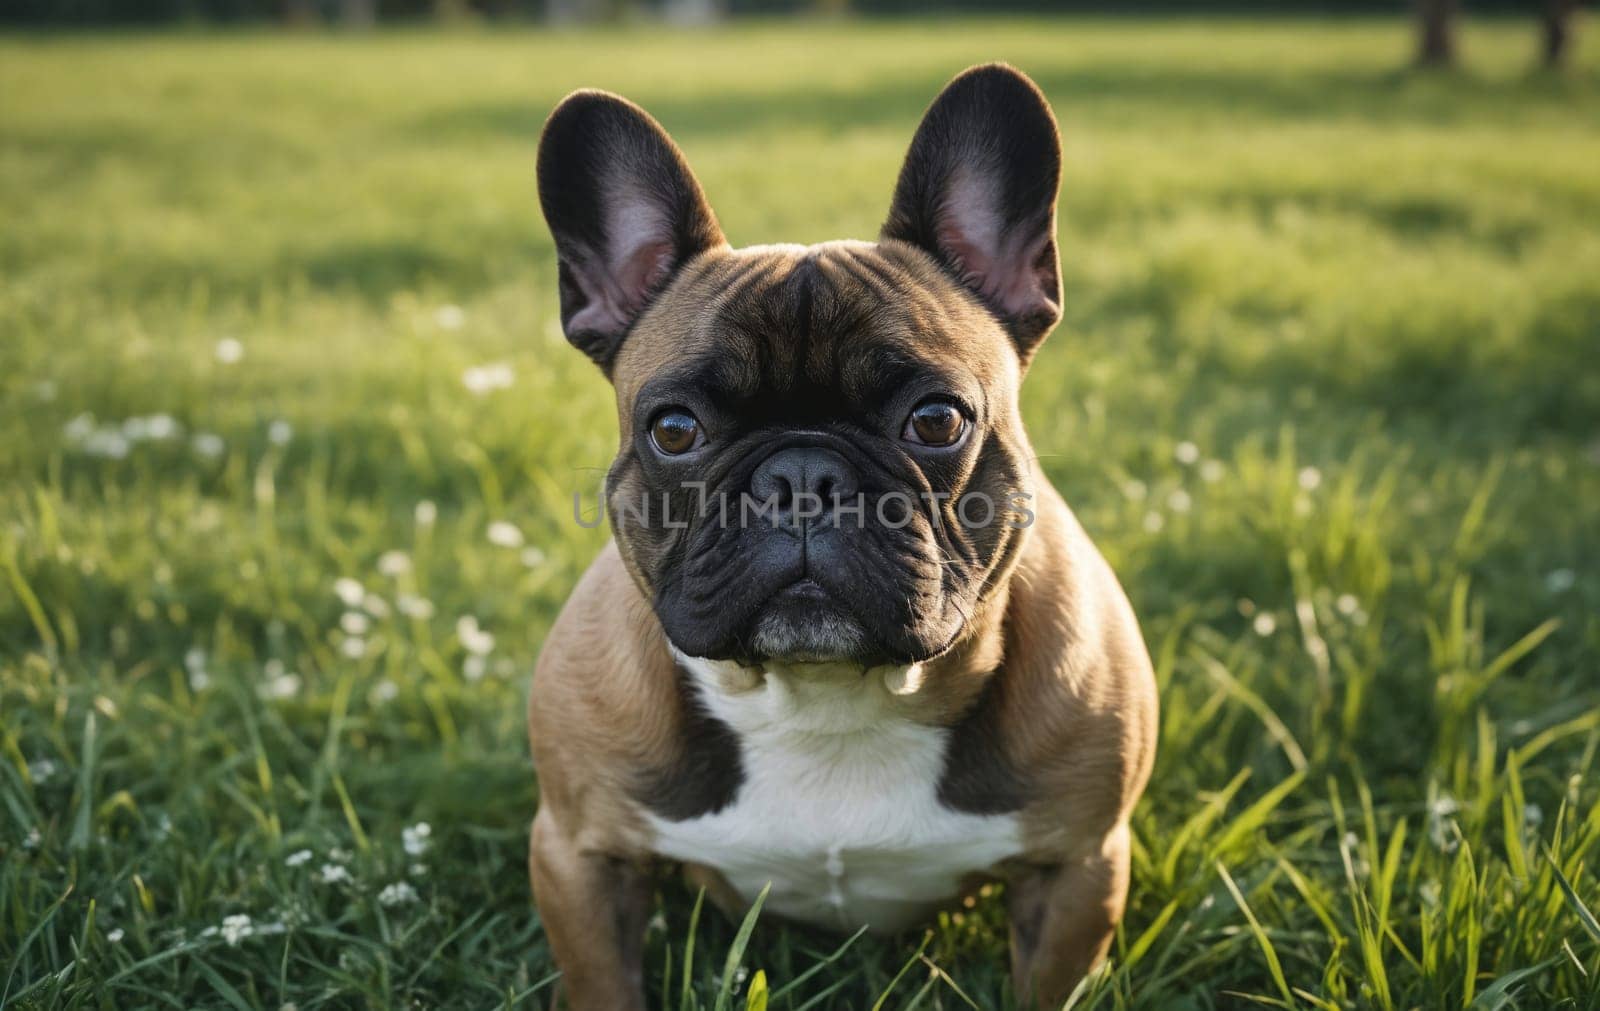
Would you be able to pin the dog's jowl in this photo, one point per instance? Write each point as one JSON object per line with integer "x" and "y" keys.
{"x": 847, "y": 642}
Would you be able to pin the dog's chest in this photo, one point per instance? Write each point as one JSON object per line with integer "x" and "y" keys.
{"x": 838, "y": 809}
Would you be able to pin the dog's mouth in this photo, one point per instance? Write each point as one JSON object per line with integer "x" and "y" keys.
{"x": 804, "y": 623}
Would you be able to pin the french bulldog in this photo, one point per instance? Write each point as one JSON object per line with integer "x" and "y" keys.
{"x": 847, "y": 644}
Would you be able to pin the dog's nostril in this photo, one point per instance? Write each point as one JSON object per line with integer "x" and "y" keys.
{"x": 820, "y": 474}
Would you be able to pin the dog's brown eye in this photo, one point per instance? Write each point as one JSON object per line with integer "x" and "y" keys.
{"x": 935, "y": 423}
{"x": 675, "y": 432}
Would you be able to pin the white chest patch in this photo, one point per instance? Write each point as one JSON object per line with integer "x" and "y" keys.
{"x": 838, "y": 809}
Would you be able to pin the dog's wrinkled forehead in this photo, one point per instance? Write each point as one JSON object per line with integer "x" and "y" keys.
{"x": 852, "y": 321}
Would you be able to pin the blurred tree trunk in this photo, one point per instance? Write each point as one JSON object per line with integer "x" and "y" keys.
{"x": 1559, "y": 18}
{"x": 695, "y": 12}
{"x": 299, "y": 13}
{"x": 358, "y": 13}
{"x": 568, "y": 12}
{"x": 1436, "y": 32}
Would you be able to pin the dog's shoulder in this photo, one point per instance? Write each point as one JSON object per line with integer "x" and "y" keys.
{"x": 604, "y": 702}
{"x": 1077, "y": 702}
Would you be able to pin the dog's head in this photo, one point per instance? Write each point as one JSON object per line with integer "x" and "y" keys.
{"x": 821, "y": 455}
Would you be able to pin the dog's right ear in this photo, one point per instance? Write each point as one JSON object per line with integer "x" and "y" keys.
{"x": 625, "y": 212}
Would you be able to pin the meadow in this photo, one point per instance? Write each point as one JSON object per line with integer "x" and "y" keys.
{"x": 289, "y": 438}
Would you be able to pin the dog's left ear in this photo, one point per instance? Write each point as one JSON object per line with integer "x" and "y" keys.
{"x": 978, "y": 191}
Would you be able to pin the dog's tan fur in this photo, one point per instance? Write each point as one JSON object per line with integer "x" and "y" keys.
{"x": 1049, "y": 657}
{"x": 1078, "y": 712}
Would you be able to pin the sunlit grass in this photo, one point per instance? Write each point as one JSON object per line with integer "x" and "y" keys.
{"x": 289, "y": 439}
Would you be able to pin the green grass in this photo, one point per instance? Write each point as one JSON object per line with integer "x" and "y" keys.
{"x": 1327, "y": 394}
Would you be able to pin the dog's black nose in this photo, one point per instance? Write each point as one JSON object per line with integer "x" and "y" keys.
{"x": 808, "y": 476}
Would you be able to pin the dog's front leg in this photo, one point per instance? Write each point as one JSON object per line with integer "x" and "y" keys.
{"x": 594, "y": 907}
{"x": 1062, "y": 918}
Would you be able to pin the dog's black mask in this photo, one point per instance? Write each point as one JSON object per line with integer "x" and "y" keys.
{"x": 821, "y": 456}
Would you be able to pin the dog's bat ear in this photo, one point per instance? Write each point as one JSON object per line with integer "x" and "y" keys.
{"x": 978, "y": 191}
{"x": 625, "y": 212}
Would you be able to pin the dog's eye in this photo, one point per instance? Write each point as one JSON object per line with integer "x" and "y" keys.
{"x": 935, "y": 423}
{"x": 675, "y": 431}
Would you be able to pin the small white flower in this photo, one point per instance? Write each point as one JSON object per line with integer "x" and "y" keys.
{"x": 1265, "y": 624}
{"x": 42, "y": 770}
{"x": 353, "y": 648}
{"x": 297, "y": 859}
{"x": 79, "y": 428}
{"x": 394, "y": 564}
{"x": 1135, "y": 490}
{"x": 350, "y": 592}
{"x": 384, "y": 691}
{"x": 114, "y": 935}
{"x": 1179, "y": 501}
{"x": 229, "y": 351}
{"x": 413, "y": 606}
{"x": 107, "y": 442}
{"x": 1153, "y": 522}
{"x": 484, "y": 379}
{"x": 333, "y": 874}
{"x": 1442, "y": 824}
{"x": 473, "y": 638}
{"x": 1429, "y": 893}
{"x": 354, "y": 623}
{"x": 1211, "y": 471}
{"x": 1560, "y": 580}
{"x": 32, "y": 839}
{"x": 209, "y": 445}
{"x": 1347, "y": 604}
{"x": 417, "y": 838}
{"x": 474, "y": 667}
{"x": 1186, "y": 453}
{"x": 1310, "y": 478}
{"x": 532, "y": 557}
{"x": 280, "y": 432}
{"x": 399, "y": 893}
{"x": 449, "y": 317}
{"x": 426, "y": 513}
{"x": 1532, "y": 815}
{"x": 235, "y": 929}
{"x": 375, "y": 606}
{"x": 504, "y": 535}
{"x": 418, "y": 870}
{"x": 155, "y": 427}
{"x": 281, "y": 686}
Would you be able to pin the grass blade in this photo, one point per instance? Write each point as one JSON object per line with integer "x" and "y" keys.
{"x": 736, "y": 950}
